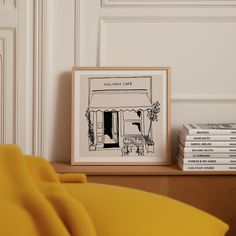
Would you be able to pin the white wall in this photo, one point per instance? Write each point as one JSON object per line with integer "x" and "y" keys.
{"x": 59, "y": 84}
{"x": 195, "y": 37}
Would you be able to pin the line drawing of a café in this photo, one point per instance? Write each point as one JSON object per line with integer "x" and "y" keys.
{"x": 120, "y": 114}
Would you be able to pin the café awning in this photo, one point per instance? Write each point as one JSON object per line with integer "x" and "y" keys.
{"x": 109, "y": 100}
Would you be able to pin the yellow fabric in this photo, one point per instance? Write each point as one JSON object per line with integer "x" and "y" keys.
{"x": 122, "y": 211}
{"x": 72, "y": 178}
{"x": 33, "y": 201}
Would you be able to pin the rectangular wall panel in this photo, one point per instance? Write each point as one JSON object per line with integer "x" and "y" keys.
{"x": 7, "y": 81}
{"x": 7, "y": 72}
{"x": 15, "y": 73}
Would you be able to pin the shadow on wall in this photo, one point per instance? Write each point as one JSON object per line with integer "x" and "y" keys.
{"x": 174, "y": 143}
{"x": 61, "y": 143}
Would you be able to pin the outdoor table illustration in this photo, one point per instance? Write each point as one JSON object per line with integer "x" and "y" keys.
{"x": 133, "y": 143}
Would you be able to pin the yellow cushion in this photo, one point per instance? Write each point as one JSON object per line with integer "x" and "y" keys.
{"x": 33, "y": 202}
{"x": 117, "y": 211}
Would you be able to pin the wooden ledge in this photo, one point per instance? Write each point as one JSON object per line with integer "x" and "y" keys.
{"x": 172, "y": 170}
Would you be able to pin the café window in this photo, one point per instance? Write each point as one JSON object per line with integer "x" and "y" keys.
{"x": 132, "y": 115}
{"x": 132, "y": 122}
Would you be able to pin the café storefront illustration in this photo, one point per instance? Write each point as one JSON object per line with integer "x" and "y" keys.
{"x": 120, "y": 115}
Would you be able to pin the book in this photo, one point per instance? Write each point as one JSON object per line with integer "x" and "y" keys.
{"x": 206, "y": 167}
{"x": 208, "y": 155}
{"x": 210, "y": 129}
{"x": 206, "y": 143}
{"x": 208, "y": 137}
{"x": 206, "y": 150}
{"x": 207, "y": 161}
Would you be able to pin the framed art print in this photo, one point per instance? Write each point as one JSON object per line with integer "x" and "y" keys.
{"x": 120, "y": 116}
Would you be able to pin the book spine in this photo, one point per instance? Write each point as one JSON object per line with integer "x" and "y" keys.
{"x": 211, "y": 132}
{"x": 208, "y": 144}
{"x": 207, "y": 161}
{"x": 188, "y": 130}
{"x": 209, "y": 138}
{"x": 209, "y": 155}
{"x": 206, "y": 167}
{"x": 209, "y": 150}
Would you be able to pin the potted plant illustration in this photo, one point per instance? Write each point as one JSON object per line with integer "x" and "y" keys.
{"x": 152, "y": 114}
{"x": 91, "y": 137}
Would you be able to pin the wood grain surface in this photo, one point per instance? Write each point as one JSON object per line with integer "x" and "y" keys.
{"x": 132, "y": 170}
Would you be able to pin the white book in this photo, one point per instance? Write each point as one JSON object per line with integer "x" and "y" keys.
{"x": 206, "y": 143}
{"x": 206, "y": 167}
{"x": 208, "y": 137}
{"x": 207, "y": 161}
{"x": 210, "y": 129}
{"x": 208, "y": 155}
{"x": 206, "y": 150}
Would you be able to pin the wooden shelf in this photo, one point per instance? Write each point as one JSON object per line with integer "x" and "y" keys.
{"x": 171, "y": 170}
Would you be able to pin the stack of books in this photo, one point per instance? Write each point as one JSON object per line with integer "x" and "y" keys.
{"x": 207, "y": 147}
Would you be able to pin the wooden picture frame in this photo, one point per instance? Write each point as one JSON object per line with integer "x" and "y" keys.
{"x": 121, "y": 116}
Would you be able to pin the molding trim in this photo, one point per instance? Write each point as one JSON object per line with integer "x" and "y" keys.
{"x": 204, "y": 98}
{"x": 105, "y": 19}
{"x": 168, "y": 3}
{"x": 2, "y": 98}
{"x": 41, "y": 70}
{"x": 79, "y": 33}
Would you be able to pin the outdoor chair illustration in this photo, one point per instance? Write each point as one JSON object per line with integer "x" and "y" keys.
{"x": 131, "y": 144}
